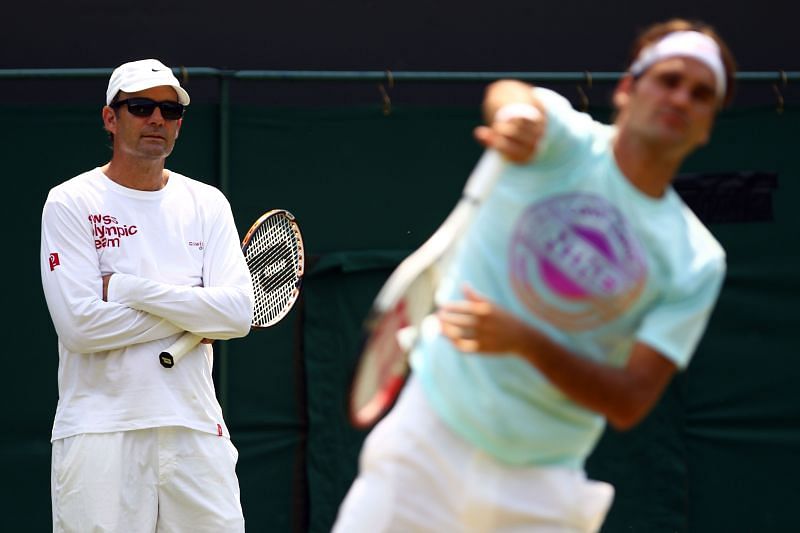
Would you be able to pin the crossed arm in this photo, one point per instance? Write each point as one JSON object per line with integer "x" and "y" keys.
{"x": 107, "y": 278}
{"x": 94, "y": 312}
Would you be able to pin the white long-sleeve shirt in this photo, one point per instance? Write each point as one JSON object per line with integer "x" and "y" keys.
{"x": 177, "y": 266}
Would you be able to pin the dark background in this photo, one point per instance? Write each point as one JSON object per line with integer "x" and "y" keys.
{"x": 374, "y": 35}
{"x": 580, "y": 35}
{"x": 721, "y": 452}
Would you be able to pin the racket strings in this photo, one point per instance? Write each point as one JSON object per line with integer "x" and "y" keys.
{"x": 271, "y": 278}
{"x": 274, "y": 256}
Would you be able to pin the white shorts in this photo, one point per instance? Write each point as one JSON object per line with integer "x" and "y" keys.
{"x": 168, "y": 479}
{"x": 416, "y": 475}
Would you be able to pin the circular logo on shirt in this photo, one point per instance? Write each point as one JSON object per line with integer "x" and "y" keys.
{"x": 575, "y": 262}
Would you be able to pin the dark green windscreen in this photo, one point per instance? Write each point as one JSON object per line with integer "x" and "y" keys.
{"x": 719, "y": 453}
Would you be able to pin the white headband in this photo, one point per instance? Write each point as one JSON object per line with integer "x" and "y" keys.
{"x": 692, "y": 44}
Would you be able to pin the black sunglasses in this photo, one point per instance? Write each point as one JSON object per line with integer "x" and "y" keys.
{"x": 144, "y": 107}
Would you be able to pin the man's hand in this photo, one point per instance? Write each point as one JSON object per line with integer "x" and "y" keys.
{"x": 517, "y": 138}
{"x": 515, "y": 120}
{"x": 475, "y": 324}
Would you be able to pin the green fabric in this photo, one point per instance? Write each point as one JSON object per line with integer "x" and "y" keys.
{"x": 335, "y": 301}
{"x": 719, "y": 453}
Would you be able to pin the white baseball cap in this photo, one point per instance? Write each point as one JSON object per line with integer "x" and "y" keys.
{"x": 140, "y": 75}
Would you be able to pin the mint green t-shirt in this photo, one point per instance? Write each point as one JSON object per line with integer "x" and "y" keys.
{"x": 568, "y": 244}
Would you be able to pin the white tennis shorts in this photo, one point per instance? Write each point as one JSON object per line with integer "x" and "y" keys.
{"x": 416, "y": 475}
{"x": 164, "y": 480}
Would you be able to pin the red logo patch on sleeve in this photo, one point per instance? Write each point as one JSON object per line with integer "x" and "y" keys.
{"x": 54, "y": 262}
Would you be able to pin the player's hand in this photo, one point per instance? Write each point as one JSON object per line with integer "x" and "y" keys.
{"x": 516, "y": 135}
{"x": 476, "y": 324}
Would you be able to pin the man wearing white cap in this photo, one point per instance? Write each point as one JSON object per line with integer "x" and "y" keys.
{"x": 133, "y": 255}
{"x": 581, "y": 288}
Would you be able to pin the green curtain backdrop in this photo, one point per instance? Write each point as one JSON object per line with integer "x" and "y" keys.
{"x": 719, "y": 453}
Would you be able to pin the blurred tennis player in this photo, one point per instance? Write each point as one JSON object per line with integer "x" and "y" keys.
{"x": 133, "y": 255}
{"x": 583, "y": 285}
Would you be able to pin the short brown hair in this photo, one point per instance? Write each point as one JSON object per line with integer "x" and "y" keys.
{"x": 657, "y": 31}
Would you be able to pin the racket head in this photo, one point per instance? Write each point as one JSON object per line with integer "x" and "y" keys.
{"x": 381, "y": 371}
{"x": 406, "y": 298}
{"x": 394, "y": 320}
{"x": 274, "y": 252}
{"x": 389, "y": 334}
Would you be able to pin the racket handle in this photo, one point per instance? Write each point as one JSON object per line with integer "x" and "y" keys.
{"x": 484, "y": 175}
{"x": 179, "y": 348}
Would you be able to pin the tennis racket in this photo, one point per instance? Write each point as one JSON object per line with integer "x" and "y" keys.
{"x": 273, "y": 250}
{"x": 406, "y": 298}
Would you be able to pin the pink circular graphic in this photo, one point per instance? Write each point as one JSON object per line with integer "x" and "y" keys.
{"x": 575, "y": 262}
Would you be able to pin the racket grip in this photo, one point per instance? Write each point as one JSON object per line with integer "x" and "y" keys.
{"x": 484, "y": 175}
{"x": 179, "y": 348}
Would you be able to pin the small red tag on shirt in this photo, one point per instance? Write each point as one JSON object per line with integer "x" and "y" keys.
{"x": 219, "y": 430}
{"x": 54, "y": 262}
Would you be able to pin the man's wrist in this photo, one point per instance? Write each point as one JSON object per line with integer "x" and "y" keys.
{"x": 517, "y": 110}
